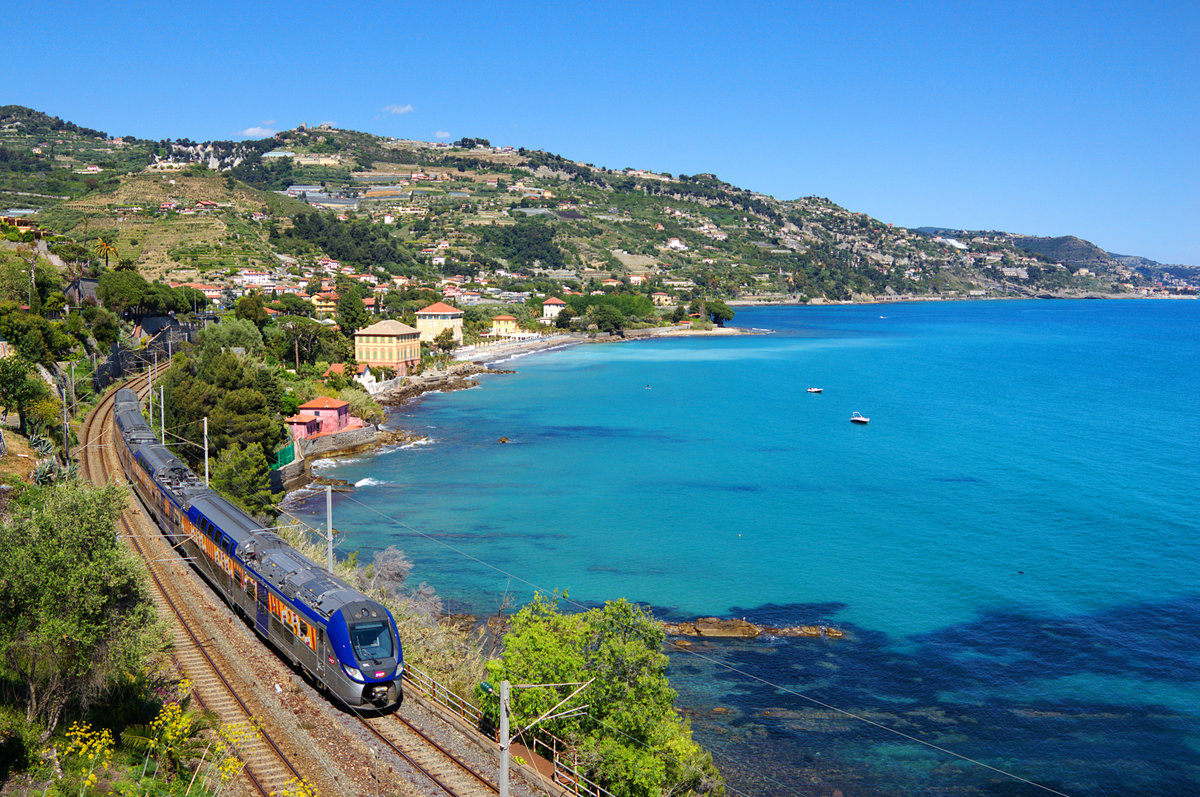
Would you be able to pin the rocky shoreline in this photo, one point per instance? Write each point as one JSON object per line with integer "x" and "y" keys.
{"x": 458, "y": 376}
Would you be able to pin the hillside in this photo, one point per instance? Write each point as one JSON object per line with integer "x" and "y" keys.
{"x": 1067, "y": 249}
{"x": 184, "y": 209}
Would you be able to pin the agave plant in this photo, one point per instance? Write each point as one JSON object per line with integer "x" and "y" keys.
{"x": 68, "y": 472}
{"x": 45, "y": 473}
{"x": 41, "y": 445}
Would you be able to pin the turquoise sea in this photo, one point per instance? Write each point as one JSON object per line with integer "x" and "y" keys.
{"x": 1012, "y": 544}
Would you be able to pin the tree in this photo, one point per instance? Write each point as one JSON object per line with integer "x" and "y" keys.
{"x": 105, "y": 327}
{"x": 122, "y": 291}
{"x": 351, "y": 312}
{"x": 608, "y": 318}
{"x": 243, "y": 476}
{"x": 104, "y": 248}
{"x": 19, "y": 388}
{"x": 564, "y": 318}
{"x": 719, "y": 312}
{"x": 296, "y": 338}
{"x": 444, "y": 341}
{"x": 232, "y": 332}
{"x": 292, "y": 304}
{"x": 75, "y": 614}
{"x": 631, "y": 739}
{"x": 251, "y": 308}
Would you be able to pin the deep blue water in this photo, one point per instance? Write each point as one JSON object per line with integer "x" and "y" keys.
{"x": 1011, "y": 543}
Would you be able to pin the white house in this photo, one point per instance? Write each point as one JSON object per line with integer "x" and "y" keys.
{"x": 551, "y": 308}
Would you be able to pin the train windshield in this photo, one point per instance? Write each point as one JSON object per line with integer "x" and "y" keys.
{"x": 372, "y": 641}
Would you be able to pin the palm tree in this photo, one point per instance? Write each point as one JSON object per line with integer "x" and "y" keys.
{"x": 105, "y": 247}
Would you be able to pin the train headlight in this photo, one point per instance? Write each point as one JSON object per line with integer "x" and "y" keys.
{"x": 399, "y": 670}
{"x": 354, "y": 673}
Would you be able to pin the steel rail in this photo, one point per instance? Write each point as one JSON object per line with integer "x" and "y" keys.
{"x": 103, "y": 413}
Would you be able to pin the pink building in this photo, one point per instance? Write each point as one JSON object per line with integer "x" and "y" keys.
{"x": 334, "y": 414}
{"x": 303, "y": 425}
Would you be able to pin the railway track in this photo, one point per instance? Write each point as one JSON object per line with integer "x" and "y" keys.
{"x": 269, "y": 769}
{"x": 428, "y": 757}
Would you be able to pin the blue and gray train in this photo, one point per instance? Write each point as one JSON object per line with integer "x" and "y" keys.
{"x": 345, "y": 640}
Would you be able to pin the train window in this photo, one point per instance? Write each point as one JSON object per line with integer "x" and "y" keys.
{"x": 303, "y": 629}
{"x": 371, "y": 641}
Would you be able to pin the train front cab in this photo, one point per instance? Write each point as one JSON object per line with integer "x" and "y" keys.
{"x": 365, "y": 657}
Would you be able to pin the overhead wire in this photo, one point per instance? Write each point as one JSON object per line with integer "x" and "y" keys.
{"x": 708, "y": 659}
{"x": 715, "y": 661}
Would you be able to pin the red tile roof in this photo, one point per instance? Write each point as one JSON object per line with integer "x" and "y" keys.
{"x": 324, "y": 403}
{"x": 439, "y": 308}
{"x": 340, "y": 368}
{"x": 302, "y": 418}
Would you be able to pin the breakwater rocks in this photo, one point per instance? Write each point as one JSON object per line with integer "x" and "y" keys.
{"x": 741, "y": 629}
{"x": 458, "y": 377}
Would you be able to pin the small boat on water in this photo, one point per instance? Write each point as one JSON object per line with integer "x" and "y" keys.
{"x": 815, "y": 389}
{"x": 858, "y": 417}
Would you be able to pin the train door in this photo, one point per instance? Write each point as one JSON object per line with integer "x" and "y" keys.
{"x": 263, "y": 615}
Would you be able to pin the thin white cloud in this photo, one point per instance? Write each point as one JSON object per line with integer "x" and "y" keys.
{"x": 260, "y": 131}
{"x": 397, "y": 110}
{"x": 441, "y": 134}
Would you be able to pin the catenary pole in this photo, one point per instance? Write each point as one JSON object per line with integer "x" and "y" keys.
{"x": 329, "y": 524}
{"x": 504, "y": 740}
{"x": 162, "y": 414}
{"x": 206, "y": 451}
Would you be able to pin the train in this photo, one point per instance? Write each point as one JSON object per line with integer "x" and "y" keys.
{"x": 347, "y": 642}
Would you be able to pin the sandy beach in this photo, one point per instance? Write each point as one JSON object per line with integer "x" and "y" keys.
{"x": 497, "y": 352}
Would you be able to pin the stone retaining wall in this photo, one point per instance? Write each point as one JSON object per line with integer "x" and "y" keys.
{"x": 290, "y": 476}
{"x": 339, "y": 441}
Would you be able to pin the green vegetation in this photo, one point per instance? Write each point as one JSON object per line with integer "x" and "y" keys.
{"x": 243, "y": 475}
{"x": 75, "y": 617}
{"x": 527, "y": 243}
{"x": 630, "y": 739}
{"x": 356, "y": 243}
{"x": 240, "y": 397}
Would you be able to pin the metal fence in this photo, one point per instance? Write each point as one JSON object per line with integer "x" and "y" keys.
{"x": 284, "y": 456}
{"x": 123, "y": 360}
{"x": 544, "y": 744}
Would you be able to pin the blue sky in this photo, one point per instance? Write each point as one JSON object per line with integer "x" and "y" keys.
{"x": 1040, "y": 118}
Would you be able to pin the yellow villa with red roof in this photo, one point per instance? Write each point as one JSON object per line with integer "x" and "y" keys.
{"x": 503, "y": 326}
{"x": 437, "y": 317}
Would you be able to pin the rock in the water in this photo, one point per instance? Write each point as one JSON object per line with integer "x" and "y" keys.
{"x": 741, "y": 629}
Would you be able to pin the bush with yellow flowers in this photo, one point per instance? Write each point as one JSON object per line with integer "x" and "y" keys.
{"x": 85, "y": 758}
{"x": 296, "y": 787}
